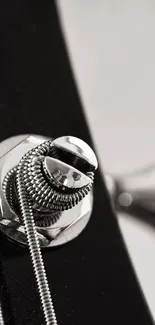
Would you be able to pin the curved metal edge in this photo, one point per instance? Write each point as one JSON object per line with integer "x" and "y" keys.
{"x": 71, "y": 223}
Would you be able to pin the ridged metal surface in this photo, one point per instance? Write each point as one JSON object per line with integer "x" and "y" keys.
{"x": 36, "y": 197}
{"x": 48, "y": 200}
{"x": 8, "y": 184}
{"x": 34, "y": 247}
{"x": 44, "y": 196}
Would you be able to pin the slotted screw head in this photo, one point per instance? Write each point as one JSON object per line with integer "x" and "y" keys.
{"x": 71, "y": 160}
{"x": 71, "y": 163}
{"x": 79, "y": 150}
{"x": 64, "y": 175}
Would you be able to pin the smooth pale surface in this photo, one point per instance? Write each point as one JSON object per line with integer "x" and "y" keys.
{"x": 112, "y": 50}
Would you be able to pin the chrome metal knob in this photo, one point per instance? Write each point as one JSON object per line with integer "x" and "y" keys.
{"x": 57, "y": 176}
{"x": 63, "y": 175}
{"x": 77, "y": 150}
{"x": 71, "y": 164}
{"x": 45, "y": 197}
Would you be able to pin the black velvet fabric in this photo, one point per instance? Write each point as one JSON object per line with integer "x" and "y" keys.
{"x": 91, "y": 278}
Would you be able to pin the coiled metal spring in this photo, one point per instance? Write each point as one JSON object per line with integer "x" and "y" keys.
{"x": 35, "y": 250}
{"x": 36, "y": 196}
{"x": 47, "y": 201}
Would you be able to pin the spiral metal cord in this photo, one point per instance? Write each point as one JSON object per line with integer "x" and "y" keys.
{"x": 35, "y": 250}
{"x": 8, "y": 187}
{"x": 48, "y": 200}
{"x": 36, "y": 194}
{"x": 45, "y": 197}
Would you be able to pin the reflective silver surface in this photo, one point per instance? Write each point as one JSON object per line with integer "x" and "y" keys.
{"x": 67, "y": 227}
{"x": 78, "y": 147}
{"x": 63, "y": 174}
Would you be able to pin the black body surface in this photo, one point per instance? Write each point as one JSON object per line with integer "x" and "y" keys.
{"x": 91, "y": 278}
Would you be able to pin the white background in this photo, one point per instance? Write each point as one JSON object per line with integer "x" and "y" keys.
{"x": 112, "y": 50}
